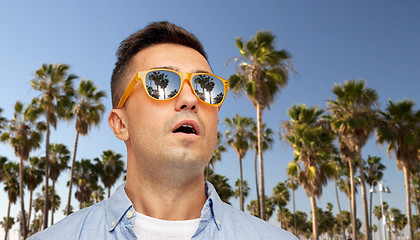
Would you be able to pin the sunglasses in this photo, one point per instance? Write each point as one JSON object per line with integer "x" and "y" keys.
{"x": 165, "y": 84}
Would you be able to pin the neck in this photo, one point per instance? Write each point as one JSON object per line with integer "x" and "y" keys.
{"x": 168, "y": 197}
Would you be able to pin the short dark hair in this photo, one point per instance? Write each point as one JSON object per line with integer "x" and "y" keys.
{"x": 153, "y": 34}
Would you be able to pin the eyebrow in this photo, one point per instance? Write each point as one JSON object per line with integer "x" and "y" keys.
{"x": 173, "y": 68}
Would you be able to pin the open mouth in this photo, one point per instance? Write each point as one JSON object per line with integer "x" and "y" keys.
{"x": 186, "y": 128}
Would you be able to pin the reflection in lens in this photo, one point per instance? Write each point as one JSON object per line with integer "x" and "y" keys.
{"x": 162, "y": 84}
{"x": 208, "y": 88}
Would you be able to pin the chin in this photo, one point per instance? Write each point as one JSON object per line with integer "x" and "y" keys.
{"x": 186, "y": 161}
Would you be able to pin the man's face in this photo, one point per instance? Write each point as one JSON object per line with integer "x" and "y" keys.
{"x": 153, "y": 126}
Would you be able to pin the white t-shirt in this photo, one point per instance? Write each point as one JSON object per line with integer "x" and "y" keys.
{"x": 149, "y": 228}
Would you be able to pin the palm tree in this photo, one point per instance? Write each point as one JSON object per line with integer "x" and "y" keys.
{"x": 59, "y": 157}
{"x": 399, "y": 126}
{"x": 326, "y": 220}
{"x": 88, "y": 111}
{"x": 284, "y": 217}
{"x": 217, "y": 156}
{"x": 11, "y": 186}
{"x": 312, "y": 141}
{"x": 397, "y": 220}
{"x": 252, "y": 207}
{"x": 281, "y": 197}
{"x": 415, "y": 182}
{"x": 201, "y": 80}
{"x": 9, "y": 222}
{"x": 2, "y": 120}
{"x": 377, "y": 211}
{"x": 245, "y": 189}
{"x": 85, "y": 178}
{"x": 98, "y": 194}
{"x": 36, "y": 225}
{"x": 33, "y": 178}
{"x": 338, "y": 180}
{"x": 354, "y": 118}
{"x": 238, "y": 138}
{"x": 53, "y": 202}
{"x": 302, "y": 223}
{"x": 3, "y": 161}
{"x": 346, "y": 219}
{"x": 220, "y": 183}
{"x": 292, "y": 184}
{"x": 373, "y": 174}
{"x": 261, "y": 72}
{"x": 24, "y": 135}
{"x": 110, "y": 168}
{"x": 55, "y": 85}
{"x": 267, "y": 144}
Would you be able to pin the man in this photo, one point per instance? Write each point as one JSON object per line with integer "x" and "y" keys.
{"x": 166, "y": 102}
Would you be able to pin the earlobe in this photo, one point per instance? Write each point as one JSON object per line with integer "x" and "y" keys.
{"x": 116, "y": 121}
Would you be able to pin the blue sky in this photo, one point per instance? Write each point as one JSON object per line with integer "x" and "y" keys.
{"x": 331, "y": 41}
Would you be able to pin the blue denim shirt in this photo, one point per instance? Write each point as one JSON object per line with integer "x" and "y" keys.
{"x": 114, "y": 219}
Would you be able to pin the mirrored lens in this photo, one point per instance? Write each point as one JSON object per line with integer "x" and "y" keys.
{"x": 208, "y": 88}
{"x": 162, "y": 84}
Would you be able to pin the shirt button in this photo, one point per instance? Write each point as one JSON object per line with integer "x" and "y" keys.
{"x": 218, "y": 222}
{"x": 129, "y": 214}
{"x": 113, "y": 224}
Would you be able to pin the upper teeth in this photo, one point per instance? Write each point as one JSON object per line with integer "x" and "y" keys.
{"x": 189, "y": 126}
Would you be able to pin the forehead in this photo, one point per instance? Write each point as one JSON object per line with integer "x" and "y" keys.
{"x": 176, "y": 56}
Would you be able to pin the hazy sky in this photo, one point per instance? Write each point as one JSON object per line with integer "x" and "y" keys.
{"x": 331, "y": 41}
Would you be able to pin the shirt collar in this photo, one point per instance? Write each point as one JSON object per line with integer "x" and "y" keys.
{"x": 214, "y": 203}
{"x": 119, "y": 203}
{"x": 116, "y": 206}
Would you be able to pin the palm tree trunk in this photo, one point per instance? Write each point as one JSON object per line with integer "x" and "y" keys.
{"x": 46, "y": 173}
{"x": 351, "y": 212}
{"x": 241, "y": 197}
{"x": 416, "y": 197}
{"x": 364, "y": 196}
{"x": 22, "y": 200}
{"x": 109, "y": 192}
{"x": 6, "y": 227}
{"x": 280, "y": 217}
{"x": 52, "y": 202}
{"x": 294, "y": 212}
{"x": 261, "y": 161}
{"x": 256, "y": 183}
{"x": 71, "y": 172}
{"x": 314, "y": 220}
{"x": 339, "y": 211}
{"x": 407, "y": 196}
{"x": 353, "y": 200}
{"x": 30, "y": 208}
{"x": 370, "y": 216}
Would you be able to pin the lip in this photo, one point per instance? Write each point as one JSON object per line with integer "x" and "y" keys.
{"x": 188, "y": 122}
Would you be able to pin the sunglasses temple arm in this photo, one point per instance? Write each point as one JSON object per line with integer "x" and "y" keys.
{"x": 127, "y": 92}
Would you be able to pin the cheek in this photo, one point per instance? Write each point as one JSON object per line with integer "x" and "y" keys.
{"x": 212, "y": 130}
{"x": 144, "y": 125}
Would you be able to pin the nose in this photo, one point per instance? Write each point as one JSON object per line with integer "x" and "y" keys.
{"x": 186, "y": 100}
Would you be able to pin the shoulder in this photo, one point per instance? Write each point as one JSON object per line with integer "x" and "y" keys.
{"x": 71, "y": 226}
{"x": 252, "y": 227}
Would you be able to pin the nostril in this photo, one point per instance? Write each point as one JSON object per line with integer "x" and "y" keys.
{"x": 183, "y": 106}
{"x": 193, "y": 107}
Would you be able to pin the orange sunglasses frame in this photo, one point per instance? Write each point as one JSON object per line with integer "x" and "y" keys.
{"x": 183, "y": 76}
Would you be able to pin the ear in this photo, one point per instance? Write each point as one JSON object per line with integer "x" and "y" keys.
{"x": 116, "y": 121}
